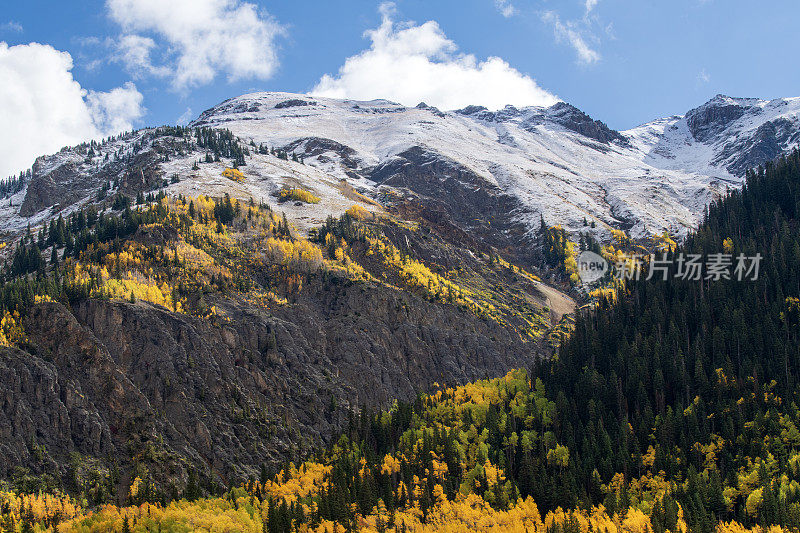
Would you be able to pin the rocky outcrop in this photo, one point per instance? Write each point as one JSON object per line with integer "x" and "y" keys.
{"x": 561, "y": 113}
{"x": 52, "y": 187}
{"x": 319, "y": 147}
{"x": 710, "y": 119}
{"x": 446, "y": 193}
{"x": 294, "y": 102}
{"x": 767, "y": 143}
{"x": 63, "y": 179}
{"x": 576, "y": 120}
{"x": 65, "y": 394}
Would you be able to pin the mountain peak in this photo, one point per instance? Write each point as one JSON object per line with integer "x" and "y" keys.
{"x": 724, "y": 99}
{"x": 576, "y": 120}
{"x": 713, "y": 117}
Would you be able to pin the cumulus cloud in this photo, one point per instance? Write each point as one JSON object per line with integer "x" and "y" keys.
{"x": 113, "y": 111}
{"x": 198, "y": 39}
{"x": 411, "y": 63}
{"x": 572, "y": 33}
{"x": 45, "y": 108}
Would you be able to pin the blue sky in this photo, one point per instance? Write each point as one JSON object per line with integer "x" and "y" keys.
{"x": 623, "y": 62}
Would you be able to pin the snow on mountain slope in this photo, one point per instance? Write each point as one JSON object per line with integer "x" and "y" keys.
{"x": 147, "y": 161}
{"x": 722, "y": 138}
{"x": 491, "y": 174}
{"x": 265, "y": 175}
{"x": 555, "y": 161}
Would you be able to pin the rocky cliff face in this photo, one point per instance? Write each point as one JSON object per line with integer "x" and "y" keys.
{"x": 65, "y": 393}
{"x": 138, "y": 388}
{"x": 455, "y": 195}
{"x": 724, "y": 137}
{"x": 711, "y": 119}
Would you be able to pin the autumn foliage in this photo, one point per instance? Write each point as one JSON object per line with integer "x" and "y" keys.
{"x": 233, "y": 174}
{"x": 299, "y": 195}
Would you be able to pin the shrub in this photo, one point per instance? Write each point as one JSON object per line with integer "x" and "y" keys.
{"x": 233, "y": 174}
{"x": 300, "y": 195}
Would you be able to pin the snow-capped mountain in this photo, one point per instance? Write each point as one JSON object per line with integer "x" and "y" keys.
{"x": 728, "y": 134}
{"x": 490, "y": 175}
{"x": 555, "y": 161}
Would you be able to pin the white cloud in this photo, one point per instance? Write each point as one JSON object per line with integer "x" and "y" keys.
{"x": 134, "y": 52}
{"x": 92, "y": 64}
{"x": 46, "y": 109}
{"x": 185, "y": 117}
{"x": 11, "y": 26}
{"x": 411, "y": 63}
{"x": 572, "y": 33}
{"x": 590, "y": 5}
{"x": 609, "y": 31}
{"x": 505, "y": 7}
{"x": 91, "y": 40}
{"x": 200, "y": 38}
{"x": 114, "y": 110}
{"x": 703, "y": 77}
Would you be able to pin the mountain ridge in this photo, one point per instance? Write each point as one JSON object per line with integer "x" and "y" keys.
{"x": 508, "y": 169}
{"x": 536, "y": 150}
